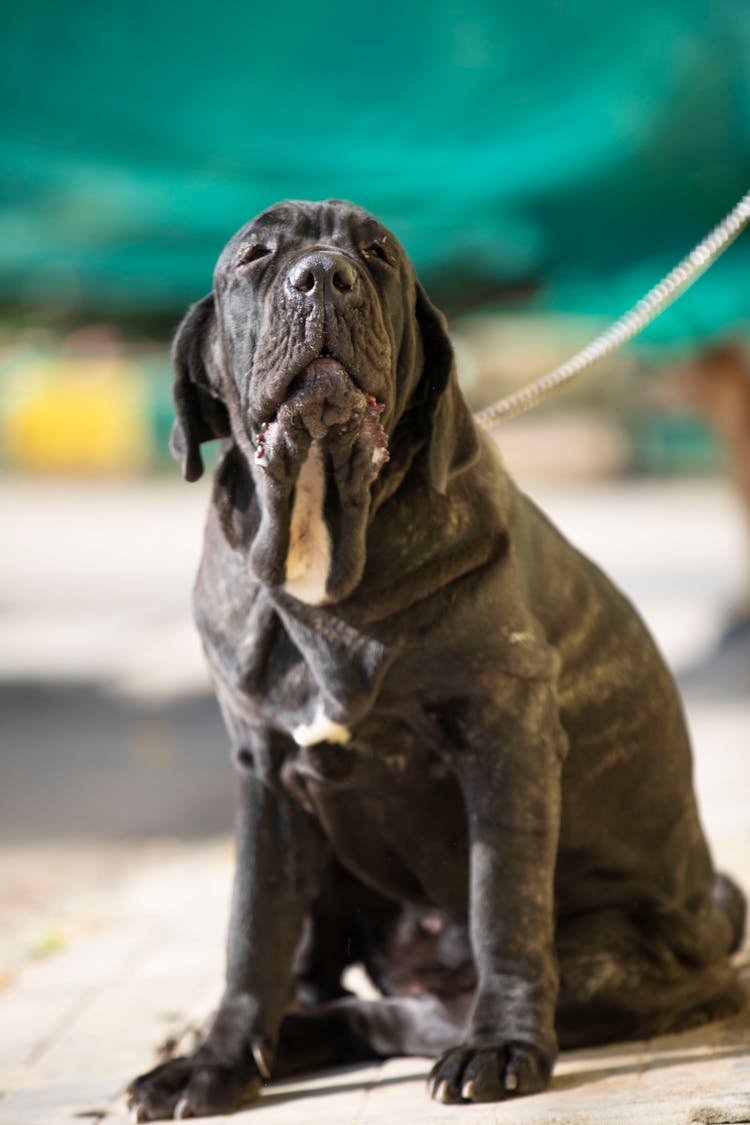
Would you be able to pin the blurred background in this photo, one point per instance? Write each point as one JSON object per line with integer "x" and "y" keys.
{"x": 543, "y": 163}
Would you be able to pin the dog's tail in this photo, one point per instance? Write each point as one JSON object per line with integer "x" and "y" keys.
{"x": 730, "y": 901}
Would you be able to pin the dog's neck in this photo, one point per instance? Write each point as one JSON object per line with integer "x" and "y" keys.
{"x": 318, "y": 555}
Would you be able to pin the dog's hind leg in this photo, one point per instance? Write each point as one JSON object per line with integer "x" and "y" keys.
{"x": 353, "y": 1030}
{"x": 729, "y": 901}
{"x": 627, "y": 974}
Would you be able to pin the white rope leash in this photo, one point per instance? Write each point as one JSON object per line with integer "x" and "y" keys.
{"x": 631, "y": 323}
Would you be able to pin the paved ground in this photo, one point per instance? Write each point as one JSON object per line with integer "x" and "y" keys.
{"x": 108, "y": 737}
{"x": 79, "y": 1022}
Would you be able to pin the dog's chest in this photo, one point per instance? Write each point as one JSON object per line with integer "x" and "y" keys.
{"x": 391, "y": 809}
{"x": 287, "y": 665}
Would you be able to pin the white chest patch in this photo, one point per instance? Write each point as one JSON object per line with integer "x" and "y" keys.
{"x": 320, "y": 729}
{"x": 308, "y": 560}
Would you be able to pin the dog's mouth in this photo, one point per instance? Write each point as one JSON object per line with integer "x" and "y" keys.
{"x": 324, "y": 404}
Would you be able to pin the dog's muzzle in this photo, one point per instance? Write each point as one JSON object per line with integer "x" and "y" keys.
{"x": 325, "y": 405}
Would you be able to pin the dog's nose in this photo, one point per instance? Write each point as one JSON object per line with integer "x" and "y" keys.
{"x": 323, "y": 271}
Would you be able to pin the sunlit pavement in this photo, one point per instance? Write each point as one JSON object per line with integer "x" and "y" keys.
{"x": 109, "y": 734}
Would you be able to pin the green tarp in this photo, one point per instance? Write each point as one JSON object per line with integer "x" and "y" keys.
{"x": 582, "y": 147}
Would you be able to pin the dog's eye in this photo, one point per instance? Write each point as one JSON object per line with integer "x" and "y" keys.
{"x": 251, "y": 252}
{"x": 377, "y": 251}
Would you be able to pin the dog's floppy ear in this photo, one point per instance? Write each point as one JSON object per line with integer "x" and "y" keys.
{"x": 453, "y": 442}
{"x": 199, "y": 414}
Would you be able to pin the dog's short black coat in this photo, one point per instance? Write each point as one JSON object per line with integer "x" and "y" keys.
{"x": 460, "y": 758}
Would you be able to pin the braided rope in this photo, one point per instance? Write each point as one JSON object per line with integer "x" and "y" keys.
{"x": 630, "y": 323}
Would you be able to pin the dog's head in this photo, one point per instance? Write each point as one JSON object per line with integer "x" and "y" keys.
{"x": 317, "y": 342}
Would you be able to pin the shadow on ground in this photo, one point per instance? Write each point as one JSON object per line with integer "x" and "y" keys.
{"x": 80, "y": 761}
{"x": 723, "y": 673}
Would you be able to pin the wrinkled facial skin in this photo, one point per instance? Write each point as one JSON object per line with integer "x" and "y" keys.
{"x": 310, "y": 349}
{"x": 303, "y": 281}
{"x": 322, "y": 358}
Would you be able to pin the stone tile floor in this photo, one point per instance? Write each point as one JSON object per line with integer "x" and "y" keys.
{"x": 145, "y": 962}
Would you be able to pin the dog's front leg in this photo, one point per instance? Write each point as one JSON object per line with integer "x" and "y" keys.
{"x": 280, "y": 853}
{"x": 509, "y": 768}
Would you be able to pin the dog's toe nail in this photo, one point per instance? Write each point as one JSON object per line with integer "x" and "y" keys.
{"x": 138, "y": 1114}
{"x": 182, "y": 1109}
{"x": 511, "y": 1080}
{"x": 468, "y": 1091}
{"x": 443, "y": 1093}
{"x": 262, "y": 1060}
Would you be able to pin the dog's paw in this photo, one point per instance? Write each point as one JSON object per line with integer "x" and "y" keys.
{"x": 488, "y": 1073}
{"x": 194, "y": 1086}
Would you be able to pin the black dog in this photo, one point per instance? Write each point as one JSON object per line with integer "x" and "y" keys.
{"x": 460, "y": 758}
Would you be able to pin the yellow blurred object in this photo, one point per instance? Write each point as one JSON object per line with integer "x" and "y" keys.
{"x": 82, "y": 414}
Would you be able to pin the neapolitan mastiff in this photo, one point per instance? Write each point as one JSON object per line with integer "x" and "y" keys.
{"x": 460, "y": 758}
